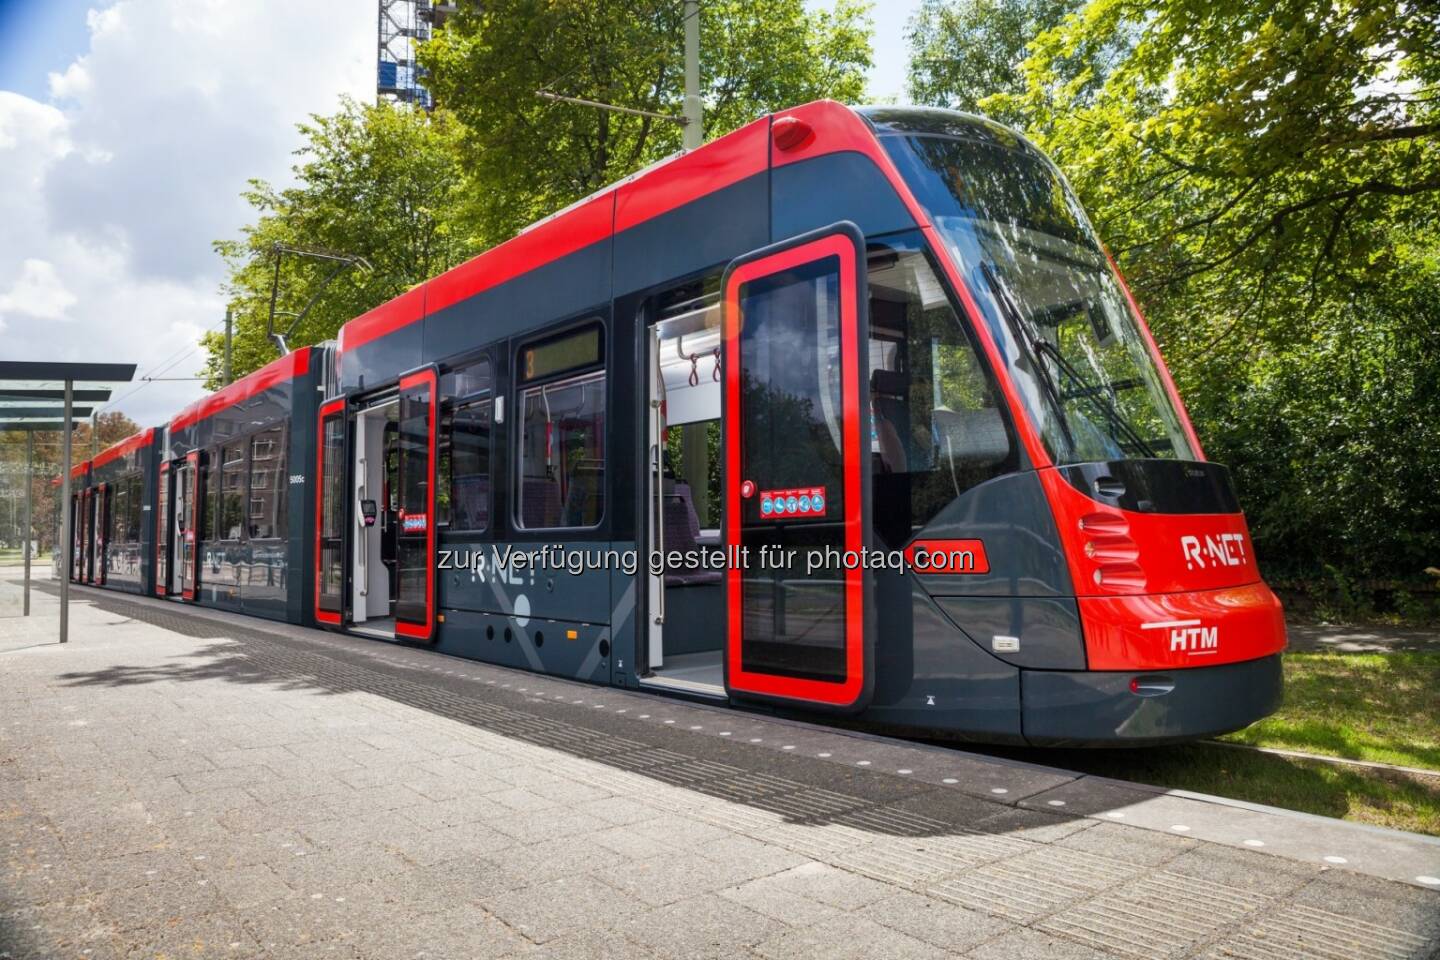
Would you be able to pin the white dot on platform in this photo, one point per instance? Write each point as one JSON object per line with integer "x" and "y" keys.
{"x": 724, "y": 733}
{"x": 756, "y": 739}
{"x": 1180, "y": 828}
{"x": 904, "y": 770}
{"x": 1056, "y": 803}
{"x": 788, "y": 746}
{"x": 1254, "y": 843}
{"x": 1115, "y": 815}
{"x": 862, "y": 763}
{"x": 1429, "y": 881}
{"x": 1336, "y": 860}
{"x": 998, "y": 790}
{"x": 949, "y": 780}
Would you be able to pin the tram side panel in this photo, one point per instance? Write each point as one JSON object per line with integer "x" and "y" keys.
{"x": 124, "y": 477}
{"x": 250, "y": 447}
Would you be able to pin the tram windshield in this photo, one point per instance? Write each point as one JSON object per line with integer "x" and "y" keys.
{"x": 1050, "y": 299}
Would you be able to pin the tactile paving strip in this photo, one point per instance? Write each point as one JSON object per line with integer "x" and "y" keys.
{"x": 1295, "y": 932}
{"x": 1034, "y": 884}
{"x": 1157, "y": 916}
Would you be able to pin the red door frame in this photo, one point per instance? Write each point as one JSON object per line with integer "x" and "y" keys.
{"x": 845, "y": 242}
{"x": 192, "y": 532}
{"x": 422, "y": 630}
{"x": 332, "y": 409}
{"x": 162, "y": 528}
{"x": 102, "y": 517}
{"x": 87, "y": 537}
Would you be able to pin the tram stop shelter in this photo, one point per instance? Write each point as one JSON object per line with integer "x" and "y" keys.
{"x": 38, "y": 396}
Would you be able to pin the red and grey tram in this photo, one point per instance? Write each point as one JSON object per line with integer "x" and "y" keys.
{"x": 846, "y": 412}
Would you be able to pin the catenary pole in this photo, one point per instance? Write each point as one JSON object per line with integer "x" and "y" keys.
{"x": 694, "y": 129}
{"x": 225, "y": 372}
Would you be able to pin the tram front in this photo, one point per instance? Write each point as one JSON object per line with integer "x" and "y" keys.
{"x": 1120, "y": 579}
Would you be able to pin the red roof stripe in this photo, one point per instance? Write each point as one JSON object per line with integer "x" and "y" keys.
{"x": 739, "y": 154}
{"x": 650, "y": 193}
{"x": 275, "y": 372}
{"x": 124, "y": 448}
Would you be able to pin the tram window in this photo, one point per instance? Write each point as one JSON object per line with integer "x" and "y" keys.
{"x": 137, "y": 489}
{"x": 209, "y": 525}
{"x": 562, "y": 454}
{"x": 463, "y": 500}
{"x": 938, "y": 426}
{"x": 267, "y": 484}
{"x": 232, "y": 496}
{"x": 119, "y": 513}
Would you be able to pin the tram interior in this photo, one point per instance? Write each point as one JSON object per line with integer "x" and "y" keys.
{"x": 376, "y": 491}
{"x": 686, "y": 644}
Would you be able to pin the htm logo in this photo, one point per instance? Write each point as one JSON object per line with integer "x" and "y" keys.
{"x": 1225, "y": 550}
{"x": 1189, "y": 636}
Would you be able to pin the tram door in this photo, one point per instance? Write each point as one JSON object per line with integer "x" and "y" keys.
{"x": 187, "y": 524}
{"x": 102, "y": 529}
{"x": 87, "y": 534}
{"x": 796, "y": 473}
{"x": 77, "y": 533}
{"x": 162, "y": 532}
{"x": 415, "y": 501}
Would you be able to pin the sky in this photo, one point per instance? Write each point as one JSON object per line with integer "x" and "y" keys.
{"x": 128, "y": 129}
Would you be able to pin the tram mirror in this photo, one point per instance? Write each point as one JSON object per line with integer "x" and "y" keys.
{"x": 368, "y": 512}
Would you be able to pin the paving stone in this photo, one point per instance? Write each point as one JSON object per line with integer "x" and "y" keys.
{"x": 562, "y": 906}
{"x": 411, "y": 804}
{"x": 1025, "y": 944}
{"x": 936, "y": 922}
{"x": 848, "y": 938}
{"x": 703, "y": 928}
{"x": 828, "y": 885}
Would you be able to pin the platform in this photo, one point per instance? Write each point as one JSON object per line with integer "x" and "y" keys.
{"x": 190, "y": 783}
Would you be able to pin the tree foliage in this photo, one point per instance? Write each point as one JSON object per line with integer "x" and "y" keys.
{"x": 529, "y": 156}
{"x": 962, "y": 53}
{"x": 1268, "y": 177}
{"x": 110, "y": 427}
{"x": 380, "y": 182}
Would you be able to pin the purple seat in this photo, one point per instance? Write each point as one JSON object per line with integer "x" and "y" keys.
{"x": 681, "y": 529}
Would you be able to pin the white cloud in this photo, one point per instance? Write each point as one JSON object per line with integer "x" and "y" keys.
{"x": 37, "y": 292}
{"x": 113, "y": 191}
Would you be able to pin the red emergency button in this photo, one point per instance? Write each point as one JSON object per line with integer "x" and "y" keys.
{"x": 747, "y": 489}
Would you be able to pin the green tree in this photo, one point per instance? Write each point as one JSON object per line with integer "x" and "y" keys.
{"x": 529, "y": 156}
{"x": 962, "y": 51}
{"x": 1268, "y": 177}
{"x": 381, "y": 182}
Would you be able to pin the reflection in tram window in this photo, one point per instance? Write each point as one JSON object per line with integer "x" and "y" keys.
{"x": 463, "y": 500}
{"x": 267, "y": 484}
{"x": 232, "y": 498}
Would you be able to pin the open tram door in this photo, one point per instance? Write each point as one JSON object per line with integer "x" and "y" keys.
{"x": 162, "y": 530}
{"x": 415, "y": 495}
{"x": 796, "y": 488}
{"x": 187, "y": 518}
{"x": 102, "y": 530}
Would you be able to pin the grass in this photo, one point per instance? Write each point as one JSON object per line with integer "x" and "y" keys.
{"x": 1361, "y": 706}
{"x": 1381, "y": 797}
{"x": 1382, "y": 707}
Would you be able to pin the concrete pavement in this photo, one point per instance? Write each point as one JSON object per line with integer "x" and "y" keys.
{"x": 176, "y": 783}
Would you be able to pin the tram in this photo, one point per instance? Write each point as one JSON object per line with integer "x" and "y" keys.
{"x": 847, "y": 412}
